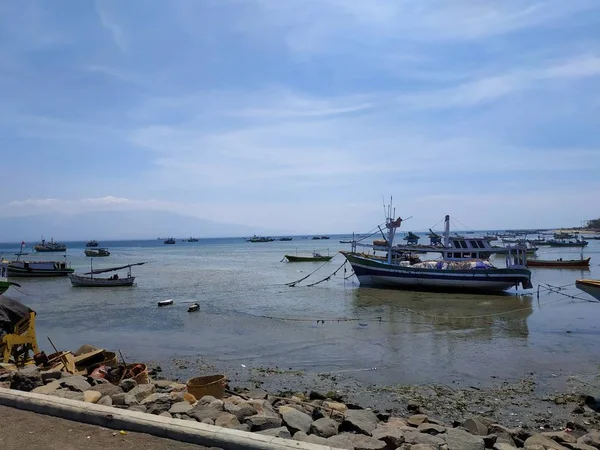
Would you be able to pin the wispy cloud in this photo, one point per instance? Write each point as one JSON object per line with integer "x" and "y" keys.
{"x": 108, "y": 22}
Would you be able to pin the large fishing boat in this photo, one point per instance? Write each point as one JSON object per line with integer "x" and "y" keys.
{"x": 92, "y": 243}
{"x": 89, "y": 280}
{"x": 462, "y": 267}
{"x": 256, "y": 238}
{"x": 96, "y": 252}
{"x": 170, "y": 241}
{"x": 48, "y": 247}
{"x": 591, "y": 287}
{"x": 32, "y": 268}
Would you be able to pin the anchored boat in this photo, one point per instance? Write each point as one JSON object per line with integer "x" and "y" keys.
{"x": 89, "y": 280}
{"x": 316, "y": 257}
{"x": 560, "y": 263}
{"x": 92, "y": 243}
{"x": 96, "y": 252}
{"x": 591, "y": 287}
{"x": 39, "y": 269}
{"x": 48, "y": 247}
{"x": 462, "y": 267}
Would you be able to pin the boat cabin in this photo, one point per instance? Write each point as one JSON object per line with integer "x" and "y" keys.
{"x": 460, "y": 248}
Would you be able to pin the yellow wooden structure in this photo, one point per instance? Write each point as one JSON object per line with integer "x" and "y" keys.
{"x": 16, "y": 345}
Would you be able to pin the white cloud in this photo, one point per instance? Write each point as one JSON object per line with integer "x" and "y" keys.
{"x": 108, "y": 23}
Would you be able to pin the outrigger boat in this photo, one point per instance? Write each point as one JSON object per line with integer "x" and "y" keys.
{"x": 113, "y": 281}
{"x": 591, "y": 287}
{"x": 39, "y": 269}
{"x": 96, "y": 252}
{"x": 462, "y": 266}
{"x": 560, "y": 263}
{"x": 316, "y": 257}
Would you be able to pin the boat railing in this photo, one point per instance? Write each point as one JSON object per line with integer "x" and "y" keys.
{"x": 516, "y": 256}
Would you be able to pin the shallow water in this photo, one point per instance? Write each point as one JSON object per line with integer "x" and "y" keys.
{"x": 376, "y": 336}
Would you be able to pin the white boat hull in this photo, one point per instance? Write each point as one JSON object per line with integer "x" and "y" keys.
{"x": 79, "y": 281}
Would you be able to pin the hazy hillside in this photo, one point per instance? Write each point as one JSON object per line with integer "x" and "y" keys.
{"x": 118, "y": 225}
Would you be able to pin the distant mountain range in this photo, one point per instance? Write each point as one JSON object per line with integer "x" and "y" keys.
{"x": 108, "y": 225}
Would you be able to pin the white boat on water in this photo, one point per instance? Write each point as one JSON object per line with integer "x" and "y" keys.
{"x": 89, "y": 280}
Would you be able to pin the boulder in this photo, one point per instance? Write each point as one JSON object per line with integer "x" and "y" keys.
{"x": 323, "y": 428}
{"x": 580, "y": 447}
{"x": 118, "y": 399}
{"x": 156, "y": 397}
{"x": 311, "y": 438}
{"x": 592, "y": 439}
{"x": 336, "y": 406}
{"x": 415, "y": 437}
{"x": 361, "y": 421}
{"x": 257, "y": 394}
{"x": 137, "y": 408}
{"x": 76, "y": 383}
{"x": 26, "y": 381}
{"x": 50, "y": 375}
{"x": 206, "y": 400}
{"x": 543, "y": 441}
{"x": 294, "y": 419}
{"x": 227, "y": 420}
{"x": 458, "y": 439}
{"x": 217, "y": 404}
{"x": 180, "y": 408}
{"x": 158, "y": 407}
{"x": 50, "y": 387}
{"x": 208, "y": 421}
{"x": 476, "y": 427}
{"x": 127, "y": 384}
{"x": 106, "y": 401}
{"x": 165, "y": 414}
{"x": 281, "y": 432}
{"x": 130, "y": 400}
{"x": 66, "y": 393}
{"x": 241, "y": 410}
{"x": 201, "y": 412}
{"x": 431, "y": 428}
{"x": 107, "y": 389}
{"x": 91, "y": 396}
{"x": 502, "y": 446}
{"x": 393, "y": 437}
{"x": 352, "y": 441}
{"x": 424, "y": 447}
{"x": 397, "y": 422}
{"x": 141, "y": 391}
{"x": 417, "y": 419}
{"x": 561, "y": 437}
{"x": 163, "y": 384}
{"x": 260, "y": 422}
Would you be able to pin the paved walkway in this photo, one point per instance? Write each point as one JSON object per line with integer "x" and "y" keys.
{"x": 28, "y": 430}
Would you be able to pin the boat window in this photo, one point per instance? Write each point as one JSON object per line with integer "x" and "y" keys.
{"x": 463, "y": 244}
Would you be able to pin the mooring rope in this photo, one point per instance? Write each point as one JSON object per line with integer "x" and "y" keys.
{"x": 329, "y": 277}
{"x": 294, "y": 283}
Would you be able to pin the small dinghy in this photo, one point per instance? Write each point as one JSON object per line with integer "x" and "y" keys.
{"x": 194, "y": 307}
{"x": 165, "y": 302}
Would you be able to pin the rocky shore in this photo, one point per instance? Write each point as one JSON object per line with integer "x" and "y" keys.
{"x": 317, "y": 417}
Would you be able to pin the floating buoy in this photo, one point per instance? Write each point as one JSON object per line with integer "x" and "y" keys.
{"x": 165, "y": 302}
{"x": 194, "y": 307}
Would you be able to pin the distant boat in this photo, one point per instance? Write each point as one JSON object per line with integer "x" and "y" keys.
{"x": 345, "y": 242}
{"x": 91, "y": 243}
{"x": 564, "y": 243}
{"x": 591, "y": 287}
{"x": 285, "y": 239}
{"x": 316, "y": 257}
{"x": 256, "y": 238}
{"x": 96, "y": 252}
{"x": 170, "y": 241}
{"x": 192, "y": 239}
{"x": 88, "y": 280}
{"x": 37, "y": 269}
{"x": 165, "y": 302}
{"x": 316, "y": 238}
{"x": 194, "y": 307}
{"x": 48, "y": 247}
{"x": 324, "y": 237}
{"x": 559, "y": 263}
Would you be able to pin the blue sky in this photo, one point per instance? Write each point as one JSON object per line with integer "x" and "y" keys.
{"x": 300, "y": 114}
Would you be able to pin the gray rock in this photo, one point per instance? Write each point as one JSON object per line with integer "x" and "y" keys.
{"x": 208, "y": 421}
{"x": 180, "y": 408}
{"x": 424, "y": 447}
{"x": 581, "y": 447}
{"x": 141, "y": 391}
{"x": 201, "y": 412}
{"x": 50, "y": 387}
{"x": 476, "y": 427}
{"x": 431, "y": 428}
{"x": 323, "y": 428}
{"x": 107, "y": 389}
{"x": 163, "y": 384}
{"x": 27, "y": 381}
{"x": 543, "y": 441}
{"x": 294, "y": 419}
{"x": 355, "y": 442}
{"x": 227, "y": 420}
{"x": 165, "y": 414}
{"x": 561, "y": 437}
{"x": 186, "y": 417}
{"x": 458, "y": 439}
{"x": 393, "y": 437}
{"x": 417, "y": 419}
{"x": 106, "y": 401}
{"x": 138, "y": 408}
{"x": 66, "y": 393}
{"x": 127, "y": 384}
{"x": 257, "y": 394}
{"x": 50, "y": 375}
{"x": 244, "y": 427}
{"x": 415, "y": 437}
{"x": 206, "y": 400}
{"x": 217, "y": 404}
{"x": 241, "y": 411}
{"x": 359, "y": 421}
{"x": 281, "y": 432}
{"x": 158, "y": 407}
{"x": 311, "y": 438}
{"x": 156, "y": 397}
{"x": 503, "y": 446}
{"x": 505, "y": 438}
{"x": 260, "y": 422}
{"x": 76, "y": 383}
{"x": 592, "y": 439}
{"x": 130, "y": 400}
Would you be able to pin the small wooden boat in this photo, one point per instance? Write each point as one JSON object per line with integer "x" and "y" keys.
{"x": 316, "y": 257}
{"x": 194, "y": 307}
{"x": 165, "y": 302}
{"x": 591, "y": 287}
{"x": 559, "y": 263}
{"x": 96, "y": 252}
{"x": 170, "y": 241}
{"x": 89, "y": 280}
{"x": 563, "y": 243}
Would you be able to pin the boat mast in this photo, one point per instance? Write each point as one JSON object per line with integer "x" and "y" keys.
{"x": 447, "y": 231}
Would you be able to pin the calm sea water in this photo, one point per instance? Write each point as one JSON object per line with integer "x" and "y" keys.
{"x": 249, "y": 316}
